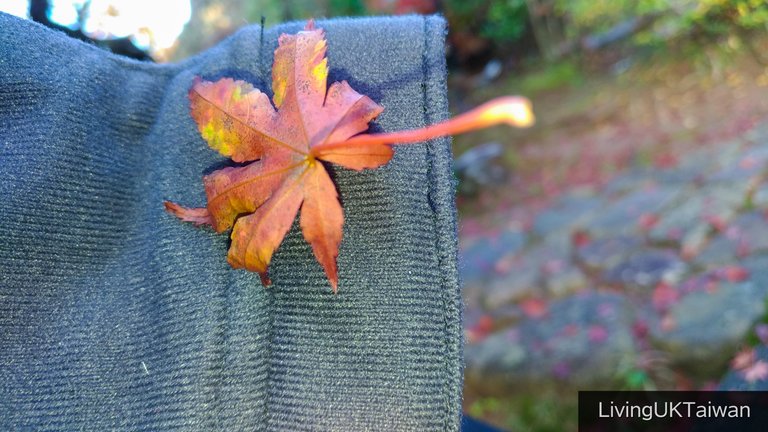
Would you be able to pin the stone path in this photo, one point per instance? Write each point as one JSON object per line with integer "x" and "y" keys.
{"x": 658, "y": 278}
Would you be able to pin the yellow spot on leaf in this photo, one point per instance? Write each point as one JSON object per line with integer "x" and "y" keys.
{"x": 279, "y": 86}
{"x": 237, "y": 94}
{"x": 320, "y": 72}
{"x": 219, "y": 138}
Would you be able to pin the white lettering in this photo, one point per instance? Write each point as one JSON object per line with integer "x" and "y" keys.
{"x": 600, "y": 410}
{"x": 675, "y": 409}
{"x": 688, "y": 407}
{"x": 744, "y": 408}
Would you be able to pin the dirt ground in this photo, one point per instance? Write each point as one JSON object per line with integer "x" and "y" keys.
{"x": 590, "y": 129}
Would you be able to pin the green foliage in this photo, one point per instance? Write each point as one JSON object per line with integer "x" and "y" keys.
{"x": 551, "y": 77}
{"x": 542, "y": 412}
{"x": 702, "y": 16}
{"x": 500, "y": 20}
{"x": 272, "y": 12}
{"x": 719, "y": 16}
{"x": 636, "y": 379}
{"x": 346, "y": 8}
{"x": 597, "y": 15}
{"x": 506, "y": 20}
{"x": 277, "y": 12}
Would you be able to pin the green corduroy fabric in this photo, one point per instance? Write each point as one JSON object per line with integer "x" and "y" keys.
{"x": 115, "y": 315}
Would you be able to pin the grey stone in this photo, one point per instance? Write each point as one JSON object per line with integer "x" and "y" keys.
{"x": 727, "y": 196}
{"x": 757, "y": 266}
{"x": 760, "y": 196}
{"x": 562, "y": 278}
{"x": 604, "y": 253}
{"x": 584, "y": 341}
{"x": 645, "y": 269}
{"x": 758, "y": 134}
{"x": 704, "y": 329}
{"x": 472, "y": 293}
{"x": 624, "y": 183}
{"x": 725, "y": 155}
{"x": 505, "y": 316}
{"x": 756, "y": 155}
{"x": 520, "y": 276}
{"x": 735, "y": 380}
{"x": 674, "y": 223}
{"x": 477, "y": 261}
{"x": 705, "y": 160}
{"x": 523, "y": 279}
{"x": 623, "y": 216}
{"x": 478, "y": 321}
{"x": 752, "y": 227}
{"x": 701, "y": 161}
{"x": 478, "y": 167}
{"x": 570, "y": 212}
{"x": 495, "y": 365}
{"x": 718, "y": 252}
{"x": 688, "y": 222}
{"x": 747, "y": 234}
{"x": 700, "y": 282}
{"x": 678, "y": 175}
{"x": 695, "y": 239}
{"x": 745, "y": 166}
{"x": 555, "y": 247}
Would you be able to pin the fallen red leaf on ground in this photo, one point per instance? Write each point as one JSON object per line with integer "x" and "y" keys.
{"x": 534, "y": 307}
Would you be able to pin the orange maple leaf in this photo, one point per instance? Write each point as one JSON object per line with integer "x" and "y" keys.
{"x": 756, "y": 372}
{"x": 744, "y": 359}
{"x": 285, "y": 146}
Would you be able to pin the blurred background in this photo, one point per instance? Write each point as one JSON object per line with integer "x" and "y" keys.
{"x": 620, "y": 243}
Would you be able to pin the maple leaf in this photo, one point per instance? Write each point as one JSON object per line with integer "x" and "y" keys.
{"x": 597, "y": 333}
{"x": 756, "y": 372}
{"x": 285, "y": 147}
{"x": 664, "y": 296}
{"x": 534, "y": 308}
{"x": 743, "y": 359}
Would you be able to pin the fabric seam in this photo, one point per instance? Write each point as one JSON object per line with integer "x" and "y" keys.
{"x": 430, "y": 157}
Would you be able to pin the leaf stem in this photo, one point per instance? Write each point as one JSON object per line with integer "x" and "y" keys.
{"x": 513, "y": 110}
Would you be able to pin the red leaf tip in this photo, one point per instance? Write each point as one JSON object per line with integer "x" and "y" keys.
{"x": 334, "y": 283}
{"x": 197, "y": 216}
{"x": 265, "y": 279}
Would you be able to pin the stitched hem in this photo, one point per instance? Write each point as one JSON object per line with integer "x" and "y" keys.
{"x": 442, "y": 204}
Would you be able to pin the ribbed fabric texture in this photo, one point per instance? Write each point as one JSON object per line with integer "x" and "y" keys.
{"x": 116, "y": 316}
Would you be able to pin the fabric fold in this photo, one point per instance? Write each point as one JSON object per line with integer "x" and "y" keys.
{"x": 115, "y": 315}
